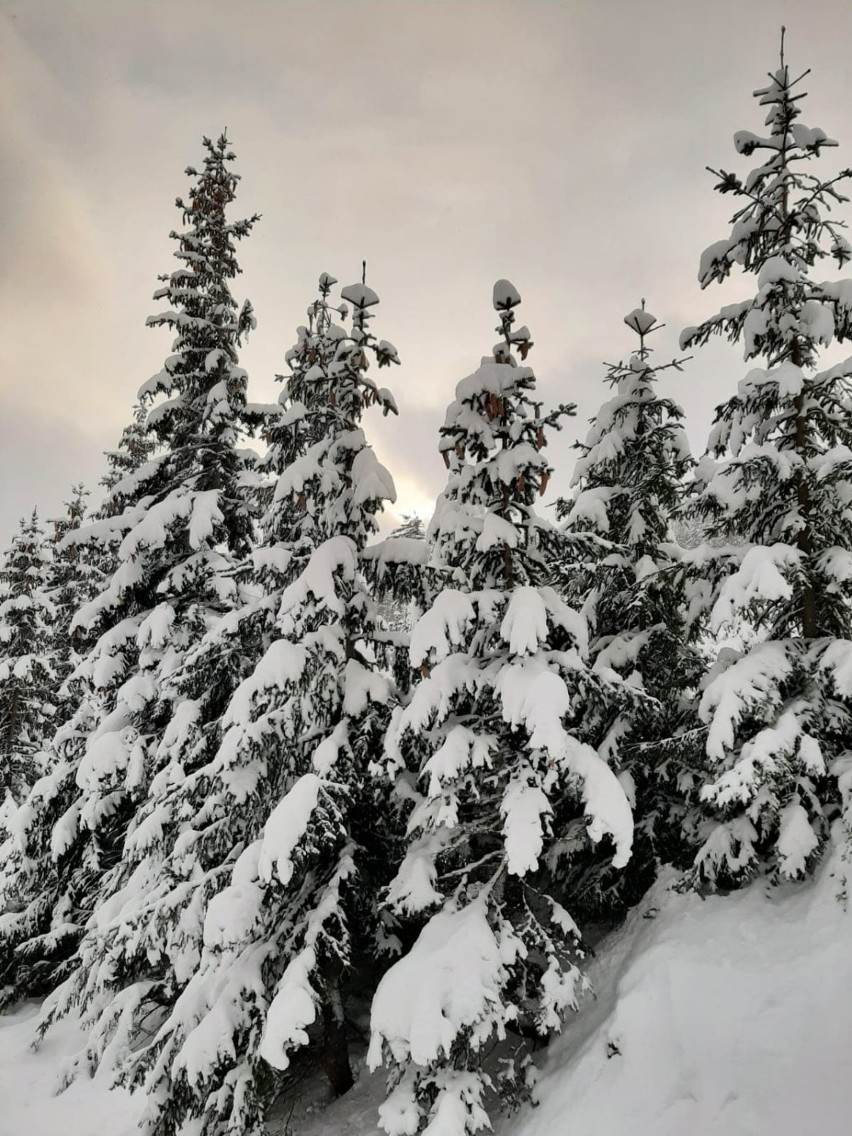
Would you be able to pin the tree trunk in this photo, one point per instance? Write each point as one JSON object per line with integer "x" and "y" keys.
{"x": 803, "y": 540}
{"x": 8, "y": 737}
{"x": 335, "y": 1044}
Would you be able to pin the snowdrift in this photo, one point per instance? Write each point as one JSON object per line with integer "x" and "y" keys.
{"x": 729, "y": 1016}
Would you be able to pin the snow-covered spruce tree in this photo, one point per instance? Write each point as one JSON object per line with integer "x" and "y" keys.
{"x": 136, "y": 446}
{"x": 28, "y": 663}
{"x": 412, "y": 528}
{"x": 628, "y": 485}
{"x": 234, "y": 644}
{"x": 85, "y": 556}
{"x": 491, "y": 749}
{"x": 77, "y": 573}
{"x": 778, "y": 474}
{"x": 38, "y": 895}
{"x": 183, "y": 521}
{"x": 247, "y": 897}
{"x": 71, "y": 582}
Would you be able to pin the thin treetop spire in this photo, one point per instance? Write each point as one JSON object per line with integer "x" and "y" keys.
{"x": 644, "y": 324}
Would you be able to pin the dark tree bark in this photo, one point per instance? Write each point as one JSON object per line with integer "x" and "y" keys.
{"x": 335, "y": 1043}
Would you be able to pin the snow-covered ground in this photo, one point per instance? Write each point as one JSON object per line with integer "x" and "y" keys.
{"x": 729, "y": 1016}
{"x": 29, "y": 1105}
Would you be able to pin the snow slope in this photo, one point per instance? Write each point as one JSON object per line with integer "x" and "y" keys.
{"x": 729, "y": 1016}
{"x": 29, "y": 1105}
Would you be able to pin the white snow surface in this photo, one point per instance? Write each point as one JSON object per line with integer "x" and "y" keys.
{"x": 370, "y": 479}
{"x": 537, "y": 698}
{"x": 287, "y": 824}
{"x": 444, "y": 983}
{"x": 732, "y": 1016}
{"x": 524, "y": 625}
{"x": 28, "y": 1084}
{"x": 505, "y": 295}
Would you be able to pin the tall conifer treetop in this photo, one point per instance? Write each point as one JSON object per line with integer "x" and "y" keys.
{"x": 628, "y": 481}
{"x": 492, "y": 441}
{"x": 778, "y": 479}
{"x": 205, "y": 388}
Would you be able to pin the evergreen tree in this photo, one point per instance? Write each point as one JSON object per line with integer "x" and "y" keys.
{"x": 629, "y": 481}
{"x": 29, "y": 669}
{"x": 492, "y": 751}
{"x": 136, "y": 446}
{"x": 246, "y": 897}
{"x": 412, "y": 528}
{"x": 44, "y": 903}
{"x": 76, "y": 575}
{"x": 180, "y": 523}
{"x": 778, "y": 475}
{"x": 70, "y": 581}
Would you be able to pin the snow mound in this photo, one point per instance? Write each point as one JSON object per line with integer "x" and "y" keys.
{"x": 505, "y": 295}
{"x": 729, "y": 1016}
{"x": 29, "y": 1081}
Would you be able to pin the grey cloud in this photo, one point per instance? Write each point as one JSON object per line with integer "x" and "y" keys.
{"x": 41, "y": 457}
{"x": 561, "y": 144}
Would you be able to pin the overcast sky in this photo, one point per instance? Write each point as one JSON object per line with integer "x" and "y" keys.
{"x": 561, "y": 144}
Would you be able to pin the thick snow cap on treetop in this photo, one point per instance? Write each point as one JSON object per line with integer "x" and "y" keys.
{"x": 490, "y": 377}
{"x": 505, "y": 295}
{"x": 359, "y": 295}
{"x": 640, "y": 321}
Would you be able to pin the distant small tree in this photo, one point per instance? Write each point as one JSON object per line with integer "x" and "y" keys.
{"x": 412, "y": 527}
{"x": 76, "y": 574}
{"x": 29, "y": 668}
{"x": 398, "y": 571}
{"x": 136, "y": 446}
